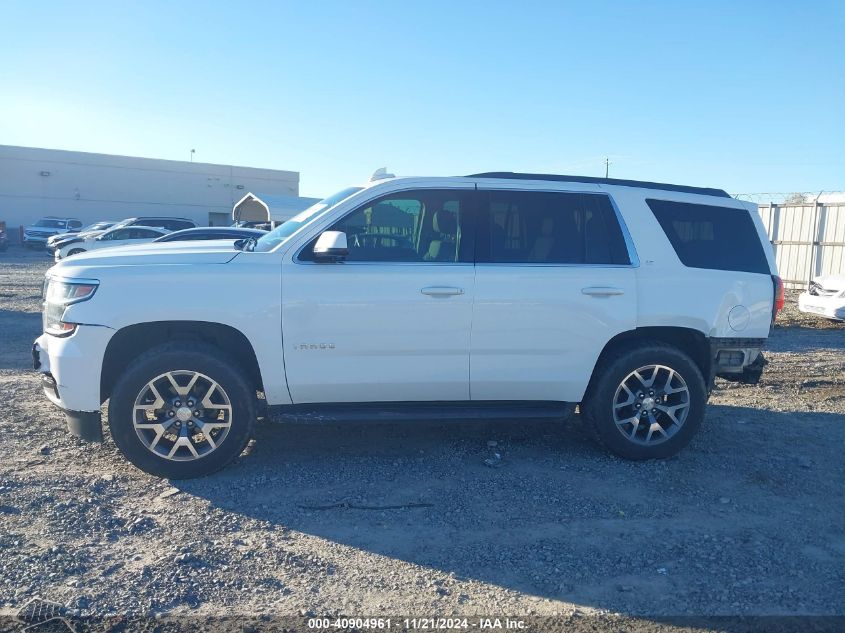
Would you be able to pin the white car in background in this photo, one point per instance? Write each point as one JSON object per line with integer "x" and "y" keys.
{"x": 57, "y": 241}
{"x": 825, "y": 297}
{"x": 119, "y": 236}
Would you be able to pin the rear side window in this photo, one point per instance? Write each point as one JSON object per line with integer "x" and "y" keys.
{"x": 140, "y": 234}
{"x": 173, "y": 225}
{"x": 706, "y": 236}
{"x": 540, "y": 227}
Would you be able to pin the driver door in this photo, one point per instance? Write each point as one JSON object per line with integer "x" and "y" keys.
{"x": 392, "y": 321}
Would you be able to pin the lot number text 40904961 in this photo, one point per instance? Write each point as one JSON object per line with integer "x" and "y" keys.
{"x": 432, "y": 624}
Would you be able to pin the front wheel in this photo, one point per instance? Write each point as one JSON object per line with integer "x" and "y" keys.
{"x": 181, "y": 411}
{"x": 75, "y": 251}
{"x": 646, "y": 401}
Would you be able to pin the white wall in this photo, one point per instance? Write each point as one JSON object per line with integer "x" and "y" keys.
{"x": 95, "y": 187}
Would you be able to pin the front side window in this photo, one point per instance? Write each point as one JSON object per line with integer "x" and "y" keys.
{"x": 119, "y": 234}
{"x": 708, "y": 236}
{"x": 412, "y": 226}
{"x": 539, "y": 227}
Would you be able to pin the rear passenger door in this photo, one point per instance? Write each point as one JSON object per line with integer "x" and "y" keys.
{"x": 554, "y": 282}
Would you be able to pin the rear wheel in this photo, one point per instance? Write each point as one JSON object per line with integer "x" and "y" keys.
{"x": 646, "y": 401}
{"x": 75, "y": 251}
{"x": 182, "y": 411}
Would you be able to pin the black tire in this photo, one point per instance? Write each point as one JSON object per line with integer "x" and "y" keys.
{"x": 75, "y": 251}
{"x": 598, "y": 405}
{"x": 197, "y": 357}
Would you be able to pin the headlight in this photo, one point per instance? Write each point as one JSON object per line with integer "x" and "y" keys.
{"x": 58, "y": 295}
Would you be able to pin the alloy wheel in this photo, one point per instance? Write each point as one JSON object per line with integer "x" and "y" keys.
{"x": 182, "y": 415}
{"x": 651, "y": 404}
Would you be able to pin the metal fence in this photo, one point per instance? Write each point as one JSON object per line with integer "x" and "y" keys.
{"x": 808, "y": 239}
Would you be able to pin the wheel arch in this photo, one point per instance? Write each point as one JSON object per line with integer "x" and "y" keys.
{"x": 129, "y": 342}
{"x": 690, "y": 341}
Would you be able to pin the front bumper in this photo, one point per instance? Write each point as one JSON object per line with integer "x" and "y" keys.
{"x": 70, "y": 375}
{"x": 830, "y": 307}
{"x": 35, "y": 239}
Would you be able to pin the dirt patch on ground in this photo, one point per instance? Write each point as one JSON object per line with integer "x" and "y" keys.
{"x": 408, "y": 519}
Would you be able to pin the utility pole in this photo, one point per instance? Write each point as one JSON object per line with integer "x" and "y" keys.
{"x": 192, "y": 155}
{"x": 606, "y": 166}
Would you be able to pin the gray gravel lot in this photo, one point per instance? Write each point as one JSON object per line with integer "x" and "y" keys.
{"x": 407, "y": 519}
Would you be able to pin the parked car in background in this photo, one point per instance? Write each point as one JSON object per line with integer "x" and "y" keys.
{"x": 825, "y": 297}
{"x": 117, "y": 236}
{"x": 45, "y": 228}
{"x": 490, "y": 296}
{"x": 167, "y": 223}
{"x": 57, "y": 240}
{"x": 163, "y": 222}
{"x": 211, "y": 233}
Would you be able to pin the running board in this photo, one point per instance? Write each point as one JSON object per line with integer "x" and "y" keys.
{"x": 334, "y": 413}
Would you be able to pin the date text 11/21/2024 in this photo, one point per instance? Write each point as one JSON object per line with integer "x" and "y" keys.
{"x": 438, "y": 624}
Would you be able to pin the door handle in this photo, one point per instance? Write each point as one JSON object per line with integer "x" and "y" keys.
{"x": 602, "y": 291}
{"x": 441, "y": 291}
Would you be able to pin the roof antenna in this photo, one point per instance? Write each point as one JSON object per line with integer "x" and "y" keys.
{"x": 381, "y": 174}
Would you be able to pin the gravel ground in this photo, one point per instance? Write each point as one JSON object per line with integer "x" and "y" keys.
{"x": 408, "y": 519}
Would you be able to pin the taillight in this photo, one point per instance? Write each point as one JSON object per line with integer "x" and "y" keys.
{"x": 777, "y": 306}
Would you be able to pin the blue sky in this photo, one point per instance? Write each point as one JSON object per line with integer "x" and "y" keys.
{"x": 747, "y": 96}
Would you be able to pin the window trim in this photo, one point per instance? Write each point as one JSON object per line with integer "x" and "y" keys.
{"x": 471, "y": 225}
{"x": 633, "y": 257}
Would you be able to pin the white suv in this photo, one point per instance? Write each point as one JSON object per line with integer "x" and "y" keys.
{"x": 497, "y": 295}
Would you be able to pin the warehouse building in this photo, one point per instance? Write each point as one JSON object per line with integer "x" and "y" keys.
{"x": 38, "y": 182}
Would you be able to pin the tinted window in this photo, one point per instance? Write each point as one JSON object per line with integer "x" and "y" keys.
{"x": 416, "y": 226}
{"x": 140, "y": 234}
{"x": 706, "y": 236}
{"x": 540, "y": 227}
{"x": 74, "y": 224}
{"x": 174, "y": 225}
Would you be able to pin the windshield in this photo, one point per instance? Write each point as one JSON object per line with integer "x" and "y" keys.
{"x": 50, "y": 224}
{"x": 282, "y": 232}
{"x": 97, "y": 226}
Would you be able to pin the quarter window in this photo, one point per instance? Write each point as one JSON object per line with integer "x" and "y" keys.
{"x": 708, "y": 236}
{"x": 538, "y": 227}
{"x": 415, "y": 226}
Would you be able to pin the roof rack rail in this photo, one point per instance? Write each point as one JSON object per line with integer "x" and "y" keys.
{"x": 641, "y": 184}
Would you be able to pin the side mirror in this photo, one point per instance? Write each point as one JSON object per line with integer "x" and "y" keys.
{"x": 331, "y": 246}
